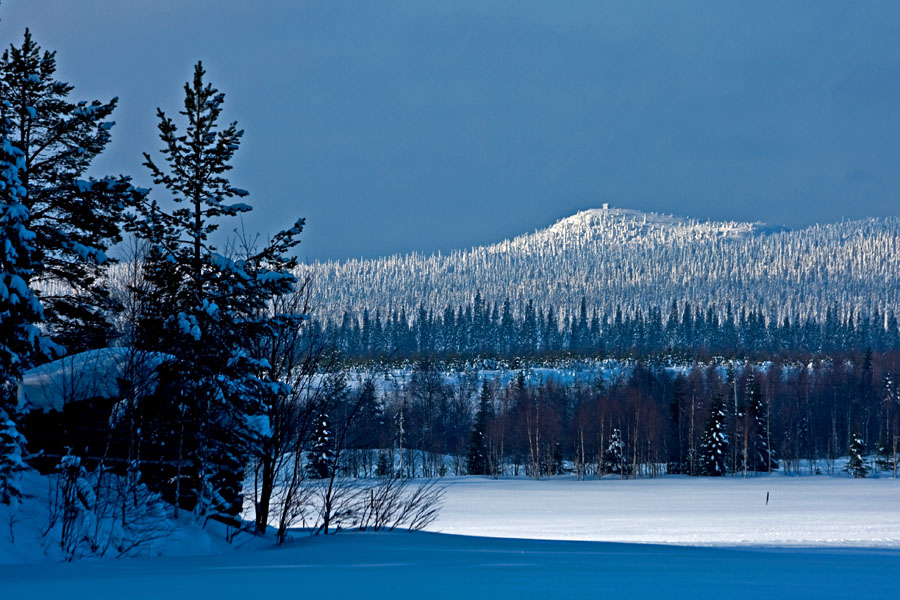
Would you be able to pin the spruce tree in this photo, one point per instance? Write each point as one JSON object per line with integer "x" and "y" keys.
{"x": 74, "y": 219}
{"x": 677, "y": 440}
{"x": 714, "y": 443}
{"x": 369, "y": 417}
{"x": 21, "y": 343}
{"x": 856, "y": 466}
{"x": 760, "y": 456}
{"x": 321, "y": 455}
{"x": 205, "y": 309}
{"x": 884, "y": 459}
{"x": 477, "y": 461}
{"x": 614, "y": 456}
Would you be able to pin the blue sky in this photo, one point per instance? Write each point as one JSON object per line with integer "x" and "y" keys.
{"x": 421, "y": 125}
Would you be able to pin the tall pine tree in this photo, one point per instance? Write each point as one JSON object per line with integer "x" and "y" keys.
{"x": 759, "y": 454}
{"x": 206, "y": 309}
{"x": 74, "y": 220}
{"x": 477, "y": 461}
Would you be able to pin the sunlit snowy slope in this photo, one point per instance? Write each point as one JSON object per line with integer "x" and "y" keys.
{"x": 629, "y": 259}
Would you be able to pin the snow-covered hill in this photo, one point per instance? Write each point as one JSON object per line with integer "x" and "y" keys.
{"x": 624, "y": 226}
{"x": 630, "y": 259}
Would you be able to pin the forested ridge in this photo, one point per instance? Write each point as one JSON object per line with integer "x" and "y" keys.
{"x": 495, "y": 330}
{"x": 633, "y": 262}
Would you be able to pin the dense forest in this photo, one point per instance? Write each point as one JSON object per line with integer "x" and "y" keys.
{"x": 484, "y": 329}
{"x": 641, "y": 418}
{"x": 618, "y": 259}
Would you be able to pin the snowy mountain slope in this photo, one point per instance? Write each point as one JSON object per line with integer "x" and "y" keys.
{"x": 629, "y": 259}
{"x": 616, "y": 226}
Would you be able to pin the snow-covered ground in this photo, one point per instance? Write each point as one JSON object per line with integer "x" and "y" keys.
{"x": 403, "y": 565}
{"x": 818, "y": 537}
{"x": 801, "y": 511}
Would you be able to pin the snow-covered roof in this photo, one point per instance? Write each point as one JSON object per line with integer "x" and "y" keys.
{"x": 86, "y": 375}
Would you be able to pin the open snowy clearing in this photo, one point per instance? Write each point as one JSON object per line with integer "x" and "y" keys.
{"x": 861, "y": 517}
{"x": 801, "y": 511}
{"x": 415, "y": 565}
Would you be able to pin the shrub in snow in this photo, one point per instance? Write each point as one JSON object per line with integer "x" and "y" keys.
{"x": 97, "y": 513}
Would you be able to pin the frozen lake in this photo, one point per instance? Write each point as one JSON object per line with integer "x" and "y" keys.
{"x": 801, "y": 511}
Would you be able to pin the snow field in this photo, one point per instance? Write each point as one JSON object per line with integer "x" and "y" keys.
{"x": 756, "y": 553}
{"x": 802, "y": 511}
{"x": 417, "y": 565}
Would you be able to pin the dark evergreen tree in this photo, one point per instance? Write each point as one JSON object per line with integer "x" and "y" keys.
{"x": 759, "y": 454}
{"x": 528, "y": 336}
{"x": 205, "y": 309}
{"x": 552, "y": 341}
{"x": 74, "y": 220}
{"x": 614, "y": 455}
{"x": 580, "y": 340}
{"x": 506, "y": 338}
{"x": 369, "y": 418}
{"x": 714, "y": 443}
{"x": 857, "y": 466}
{"x": 884, "y": 457}
{"x": 384, "y": 467}
{"x": 320, "y": 462}
{"x": 677, "y": 441}
{"x": 478, "y": 461}
{"x": 21, "y": 343}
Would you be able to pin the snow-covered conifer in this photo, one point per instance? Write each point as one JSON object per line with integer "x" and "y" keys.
{"x": 320, "y": 463}
{"x": 759, "y": 454}
{"x": 207, "y": 309}
{"x": 857, "y": 464}
{"x": 21, "y": 343}
{"x": 714, "y": 443}
{"x": 477, "y": 461}
{"x": 614, "y": 456}
{"x": 74, "y": 218}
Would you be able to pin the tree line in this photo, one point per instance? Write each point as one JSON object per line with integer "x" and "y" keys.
{"x": 651, "y": 419}
{"x": 482, "y": 328}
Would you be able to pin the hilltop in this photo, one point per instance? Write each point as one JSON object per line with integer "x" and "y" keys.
{"x": 621, "y": 226}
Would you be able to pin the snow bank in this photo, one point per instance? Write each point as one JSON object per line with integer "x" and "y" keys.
{"x": 92, "y": 374}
